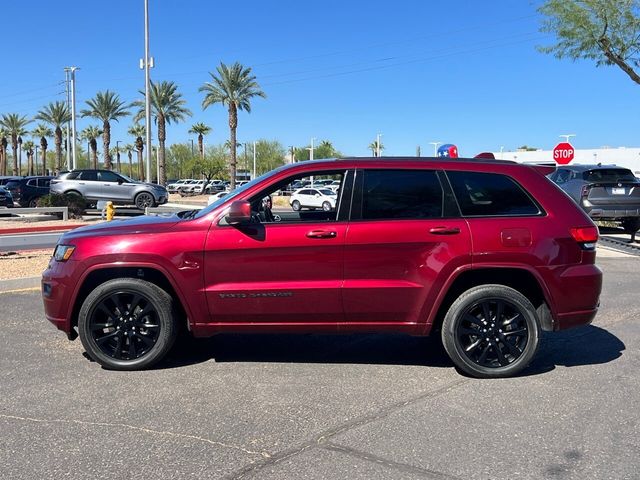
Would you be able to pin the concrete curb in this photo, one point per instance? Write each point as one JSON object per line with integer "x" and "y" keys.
{"x": 16, "y": 284}
{"x": 49, "y": 228}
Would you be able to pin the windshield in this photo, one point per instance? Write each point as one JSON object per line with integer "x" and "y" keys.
{"x": 127, "y": 179}
{"x": 609, "y": 175}
{"x": 236, "y": 192}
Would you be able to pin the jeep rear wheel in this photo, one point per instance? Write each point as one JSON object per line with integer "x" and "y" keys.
{"x": 127, "y": 324}
{"x": 491, "y": 331}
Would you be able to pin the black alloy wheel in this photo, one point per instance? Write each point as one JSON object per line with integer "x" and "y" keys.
{"x": 491, "y": 331}
{"x": 127, "y": 324}
{"x": 144, "y": 200}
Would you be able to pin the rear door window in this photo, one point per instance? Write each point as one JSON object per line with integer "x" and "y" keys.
{"x": 89, "y": 175}
{"x": 490, "y": 194}
{"x": 612, "y": 175}
{"x": 401, "y": 194}
{"x": 107, "y": 177}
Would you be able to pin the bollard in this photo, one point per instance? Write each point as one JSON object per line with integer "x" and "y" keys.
{"x": 110, "y": 211}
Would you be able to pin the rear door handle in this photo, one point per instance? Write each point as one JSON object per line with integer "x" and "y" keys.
{"x": 445, "y": 230}
{"x": 322, "y": 234}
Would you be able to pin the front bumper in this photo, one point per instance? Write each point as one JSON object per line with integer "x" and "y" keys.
{"x": 57, "y": 291}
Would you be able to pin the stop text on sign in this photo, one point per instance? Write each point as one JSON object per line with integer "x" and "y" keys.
{"x": 563, "y": 153}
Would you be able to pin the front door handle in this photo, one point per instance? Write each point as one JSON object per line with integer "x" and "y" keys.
{"x": 322, "y": 234}
{"x": 445, "y": 230}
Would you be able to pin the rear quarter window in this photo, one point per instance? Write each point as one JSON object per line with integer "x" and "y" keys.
{"x": 490, "y": 195}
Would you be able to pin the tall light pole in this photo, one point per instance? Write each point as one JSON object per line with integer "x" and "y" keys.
{"x": 254, "y": 161}
{"x": 72, "y": 73}
{"x": 118, "y": 155}
{"x": 501, "y": 150}
{"x": 311, "y": 149}
{"x": 435, "y": 147}
{"x": 567, "y": 136}
{"x": 378, "y": 144}
{"x": 68, "y": 93}
{"x": 147, "y": 100}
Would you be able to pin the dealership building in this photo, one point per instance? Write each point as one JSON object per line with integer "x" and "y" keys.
{"x": 623, "y": 156}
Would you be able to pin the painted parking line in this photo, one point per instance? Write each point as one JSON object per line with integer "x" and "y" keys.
{"x": 21, "y": 290}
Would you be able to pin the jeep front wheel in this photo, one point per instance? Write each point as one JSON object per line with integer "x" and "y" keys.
{"x": 491, "y": 331}
{"x": 127, "y": 324}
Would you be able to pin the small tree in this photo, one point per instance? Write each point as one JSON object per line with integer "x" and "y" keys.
{"x": 212, "y": 165}
{"x": 604, "y": 31}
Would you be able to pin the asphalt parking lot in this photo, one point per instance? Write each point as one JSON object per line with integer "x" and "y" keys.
{"x": 324, "y": 407}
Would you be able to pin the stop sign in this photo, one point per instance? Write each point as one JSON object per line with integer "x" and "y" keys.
{"x": 563, "y": 153}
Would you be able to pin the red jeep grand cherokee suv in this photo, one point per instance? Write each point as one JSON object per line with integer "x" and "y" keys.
{"x": 488, "y": 253}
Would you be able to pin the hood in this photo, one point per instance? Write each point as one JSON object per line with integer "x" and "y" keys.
{"x": 129, "y": 226}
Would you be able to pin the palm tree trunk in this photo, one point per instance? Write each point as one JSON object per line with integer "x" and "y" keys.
{"x": 130, "y": 164}
{"x": 233, "y": 125}
{"x": 94, "y": 153}
{"x": 118, "y": 161}
{"x": 30, "y": 163}
{"x": 106, "y": 139}
{"x": 201, "y": 145}
{"x": 3, "y": 170}
{"x": 43, "y": 147}
{"x": 140, "y": 166}
{"x": 14, "y": 147}
{"x": 58, "y": 142}
{"x": 162, "y": 136}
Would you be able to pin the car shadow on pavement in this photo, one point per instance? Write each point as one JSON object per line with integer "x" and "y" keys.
{"x": 380, "y": 349}
{"x": 589, "y": 345}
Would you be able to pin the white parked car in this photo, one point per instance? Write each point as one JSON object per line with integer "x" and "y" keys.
{"x": 313, "y": 198}
{"x": 173, "y": 187}
{"x": 194, "y": 187}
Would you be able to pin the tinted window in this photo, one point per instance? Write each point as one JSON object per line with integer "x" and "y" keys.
{"x": 90, "y": 175}
{"x": 108, "y": 177}
{"x": 71, "y": 175}
{"x": 490, "y": 194}
{"x": 44, "y": 182}
{"x": 33, "y": 182}
{"x": 401, "y": 194}
{"x": 13, "y": 184}
{"x": 609, "y": 175}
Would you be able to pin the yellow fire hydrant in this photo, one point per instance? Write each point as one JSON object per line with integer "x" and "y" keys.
{"x": 110, "y": 211}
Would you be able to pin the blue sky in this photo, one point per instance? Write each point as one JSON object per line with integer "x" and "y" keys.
{"x": 463, "y": 72}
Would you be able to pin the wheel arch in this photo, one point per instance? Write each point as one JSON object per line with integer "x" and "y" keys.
{"x": 519, "y": 278}
{"x": 152, "y": 274}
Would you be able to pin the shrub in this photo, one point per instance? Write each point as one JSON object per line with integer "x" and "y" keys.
{"x": 75, "y": 203}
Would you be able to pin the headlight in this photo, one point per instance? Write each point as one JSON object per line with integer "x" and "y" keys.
{"x": 62, "y": 253}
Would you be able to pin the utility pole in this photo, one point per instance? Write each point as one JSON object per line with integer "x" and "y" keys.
{"x": 378, "y": 144}
{"x": 72, "y": 73}
{"x": 36, "y": 167}
{"x": 118, "y": 155}
{"x": 68, "y": 93}
{"x": 311, "y": 149}
{"x": 147, "y": 63}
{"x": 435, "y": 147}
{"x": 293, "y": 153}
{"x": 254, "y": 161}
{"x": 418, "y": 151}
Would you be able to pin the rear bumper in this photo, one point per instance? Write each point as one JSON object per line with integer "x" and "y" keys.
{"x": 602, "y": 212}
{"x": 575, "y": 293}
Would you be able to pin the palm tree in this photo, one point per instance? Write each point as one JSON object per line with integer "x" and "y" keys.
{"x": 201, "y": 130}
{"x": 373, "y": 146}
{"x": 233, "y": 87}
{"x": 15, "y": 126}
{"x": 43, "y": 132}
{"x": 129, "y": 148}
{"x": 167, "y": 106}
{"x": 28, "y": 148}
{"x": 106, "y": 106}
{"x": 3, "y": 152}
{"x": 56, "y": 114}
{"x": 139, "y": 132}
{"x": 90, "y": 134}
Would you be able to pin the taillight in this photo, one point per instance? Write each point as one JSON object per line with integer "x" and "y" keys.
{"x": 586, "y": 236}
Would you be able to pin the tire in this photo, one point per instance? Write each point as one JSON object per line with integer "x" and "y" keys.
{"x": 296, "y": 205}
{"x": 72, "y": 194}
{"x": 143, "y": 200}
{"x": 106, "y": 331}
{"x": 631, "y": 225}
{"x": 33, "y": 203}
{"x": 326, "y": 206}
{"x": 483, "y": 347}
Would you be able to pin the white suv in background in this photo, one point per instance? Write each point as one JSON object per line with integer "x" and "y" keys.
{"x": 313, "y": 198}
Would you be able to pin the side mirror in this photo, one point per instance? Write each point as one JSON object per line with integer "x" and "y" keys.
{"x": 120, "y": 181}
{"x": 239, "y": 213}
